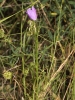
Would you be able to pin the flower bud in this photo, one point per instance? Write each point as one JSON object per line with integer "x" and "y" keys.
{"x": 31, "y": 12}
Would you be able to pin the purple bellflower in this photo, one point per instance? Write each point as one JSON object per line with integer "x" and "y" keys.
{"x": 31, "y": 12}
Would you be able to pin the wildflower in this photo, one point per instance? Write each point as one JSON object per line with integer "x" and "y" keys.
{"x": 31, "y": 12}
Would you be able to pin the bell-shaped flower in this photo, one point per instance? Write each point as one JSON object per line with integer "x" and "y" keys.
{"x": 31, "y": 12}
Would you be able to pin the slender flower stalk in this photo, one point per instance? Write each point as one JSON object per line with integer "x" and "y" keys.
{"x": 31, "y": 12}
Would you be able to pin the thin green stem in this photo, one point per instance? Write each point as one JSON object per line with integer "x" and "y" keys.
{"x": 23, "y": 61}
{"x": 36, "y": 57}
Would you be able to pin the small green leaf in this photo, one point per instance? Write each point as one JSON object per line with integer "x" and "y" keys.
{"x": 1, "y": 0}
{"x": 72, "y": 2}
{"x": 1, "y": 33}
{"x": 45, "y": 1}
{"x": 50, "y": 35}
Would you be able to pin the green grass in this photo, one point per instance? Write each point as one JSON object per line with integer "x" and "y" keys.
{"x": 37, "y": 58}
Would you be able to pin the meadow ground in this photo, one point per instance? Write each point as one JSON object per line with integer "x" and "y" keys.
{"x": 37, "y": 58}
